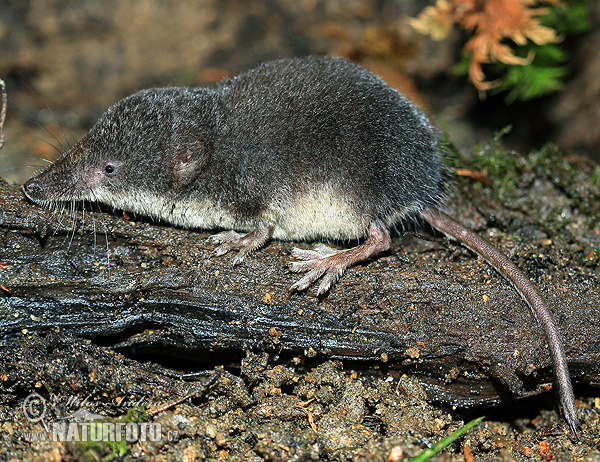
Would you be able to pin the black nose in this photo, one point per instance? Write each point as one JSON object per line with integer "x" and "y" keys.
{"x": 32, "y": 189}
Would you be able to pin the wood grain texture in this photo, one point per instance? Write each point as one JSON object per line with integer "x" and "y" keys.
{"x": 428, "y": 308}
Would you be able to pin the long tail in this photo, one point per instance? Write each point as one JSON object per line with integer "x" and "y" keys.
{"x": 528, "y": 291}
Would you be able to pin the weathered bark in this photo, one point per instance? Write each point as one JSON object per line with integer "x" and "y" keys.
{"x": 431, "y": 309}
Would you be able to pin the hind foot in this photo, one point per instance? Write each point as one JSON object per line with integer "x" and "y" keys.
{"x": 245, "y": 244}
{"x": 329, "y": 264}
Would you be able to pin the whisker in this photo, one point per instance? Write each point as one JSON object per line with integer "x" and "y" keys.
{"x": 93, "y": 224}
{"x": 62, "y": 147}
{"x": 83, "y": 216}
{"x": 105, "y": 229}
{"x": 60, "y": 128}
{"x": 58, "y": 149}
{"x": 94, "y": 201}
{"x": 48, "y": 161}
{"x": 31, "y": 117}
{"x": 73, "y": 222}
{"x": 61, "y": 217}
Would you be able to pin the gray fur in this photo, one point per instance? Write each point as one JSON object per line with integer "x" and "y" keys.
{"x": 255, "y": 147}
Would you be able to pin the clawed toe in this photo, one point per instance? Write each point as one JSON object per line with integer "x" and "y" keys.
{"x": 241, "y": 255}
{"x": 302, "y": 266}
{"x": 224, "y": 248}
{"x": 328, "y": 264}
{"x": 309, "y": 279}
{"x": 223, "y": 237}
{"x": 329, "y": 279}
{"x": 243, "y": 243}
{"x": 328, "y": 275}
{"x": 304, "y": 254}
{"x": 321, "y": 251}
{"x": 325, "y": 251}
{"x": 323, "y": 265}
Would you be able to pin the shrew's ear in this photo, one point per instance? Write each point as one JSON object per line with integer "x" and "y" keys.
{"x": 189, "y": 157}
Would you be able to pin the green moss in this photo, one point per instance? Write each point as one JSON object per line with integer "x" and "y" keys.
{"x": 105, "y": 450}
{"x": 136, "y": 414}
{"x": 450, "y": 153}
{"x": 511, "y": 176}
{"x": 502, "y": 166}
{"x": 596, "y": 175}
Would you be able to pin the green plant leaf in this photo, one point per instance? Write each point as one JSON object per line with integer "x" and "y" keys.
{"x": 437, "y": 447}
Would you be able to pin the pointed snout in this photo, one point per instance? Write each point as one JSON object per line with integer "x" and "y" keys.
{"x": 33, "y": 190}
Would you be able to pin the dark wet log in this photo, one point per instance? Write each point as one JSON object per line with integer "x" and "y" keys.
{"x": 427, "y": 307}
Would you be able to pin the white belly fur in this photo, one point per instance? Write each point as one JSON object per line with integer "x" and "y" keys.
{"x": 198, "y": 214}
{"x": 318, "y": 214}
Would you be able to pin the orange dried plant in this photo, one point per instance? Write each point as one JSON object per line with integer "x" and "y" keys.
{"x": 492, "y": 23}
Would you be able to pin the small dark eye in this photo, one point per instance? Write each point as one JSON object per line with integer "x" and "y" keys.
{"x": 109, "y": 169}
